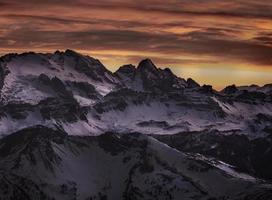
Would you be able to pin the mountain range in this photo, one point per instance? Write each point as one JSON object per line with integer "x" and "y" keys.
{"x": 72, "y": 129}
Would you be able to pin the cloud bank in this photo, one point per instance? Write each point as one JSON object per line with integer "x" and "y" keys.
{"x": 177, "y": 32}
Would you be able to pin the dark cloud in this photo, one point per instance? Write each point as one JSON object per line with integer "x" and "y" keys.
{"x": 264, "y": 38}
{"x": 235, "y": 8}
{"x": 235, "y": 30}
{"x": 60, "y": 20}
{"x": 211, "y": 42}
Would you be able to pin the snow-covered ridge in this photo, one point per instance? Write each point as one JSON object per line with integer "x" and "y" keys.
{"x": 77, "y": 92}
{"x": 69, "y": 128}
{"x": 23, "y": 69}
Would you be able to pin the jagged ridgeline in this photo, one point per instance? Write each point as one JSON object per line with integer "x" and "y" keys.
{"x": 71, "y": 129}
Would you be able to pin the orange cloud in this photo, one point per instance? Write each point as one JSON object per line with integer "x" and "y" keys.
{"x": 198, "y": 38}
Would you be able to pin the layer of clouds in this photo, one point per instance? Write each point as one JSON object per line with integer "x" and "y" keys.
{"x": 226, "y": 31}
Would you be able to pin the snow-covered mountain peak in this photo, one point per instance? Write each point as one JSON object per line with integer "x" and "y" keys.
{"x": 82, "y": 63}
{"x": 20, "y": 75}
{"x": 56, "y": 108}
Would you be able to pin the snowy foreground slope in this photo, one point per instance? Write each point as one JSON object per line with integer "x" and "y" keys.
{"x": 71, "y": 129}
{"x": 41, "y": 163}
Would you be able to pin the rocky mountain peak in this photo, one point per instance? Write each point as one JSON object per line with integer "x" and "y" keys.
{"x": 208, "y": 89}
{"x": 192, "y": 83}
{"x": 168, "y": 71}
{"x": 126, "y": 69}
{"x": 70, "y": 52}
{"x": 147, "y": 65}
{"x": 231, "y": 89}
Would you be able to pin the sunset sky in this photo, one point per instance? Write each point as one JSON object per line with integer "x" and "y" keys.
{"x": 216, "y": 42}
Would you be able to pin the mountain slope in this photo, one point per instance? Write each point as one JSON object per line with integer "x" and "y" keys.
{"x": 22, "y": 73}
{"x": 77, "y": 92}
{"x": 246, "y": 155}
{"x": 112, "y": 166}
{"x": 71, "y": 129}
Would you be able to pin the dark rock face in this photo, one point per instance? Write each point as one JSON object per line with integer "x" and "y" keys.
{"x": 251, "y": 97}
{"x": 16, "y": 110}
{"x": 33, "y": 138}
{"x": 126, "y": 69}
{"x": 15, "y": 187}
{"x": 232, "y": 89}
{"x": 113, "y": 144}
{"x": 60, "y": 88}
{"x": 65, "y": 109}
{"x": 155, "y": 79}
{"x": 152, "y": 123}
{"x": 250, "y": 156}
{"x": 44, "y": 79}
{"x": 3, "y": 73}
{"x": 263, "y": 118}
{"x": 127, "y": 72}
{"x": 85, "y": 89}
{"x": 56, "y": 85}
{"x": 146, "y": 176}
{"x": 192, "y": 84}
{"x": 122, "y": 98}
{"x": 83, "y": 65}
{"x": 150, "y": 78}
{"x": 207, "y": 89}
{"x": 147, "y": 65}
